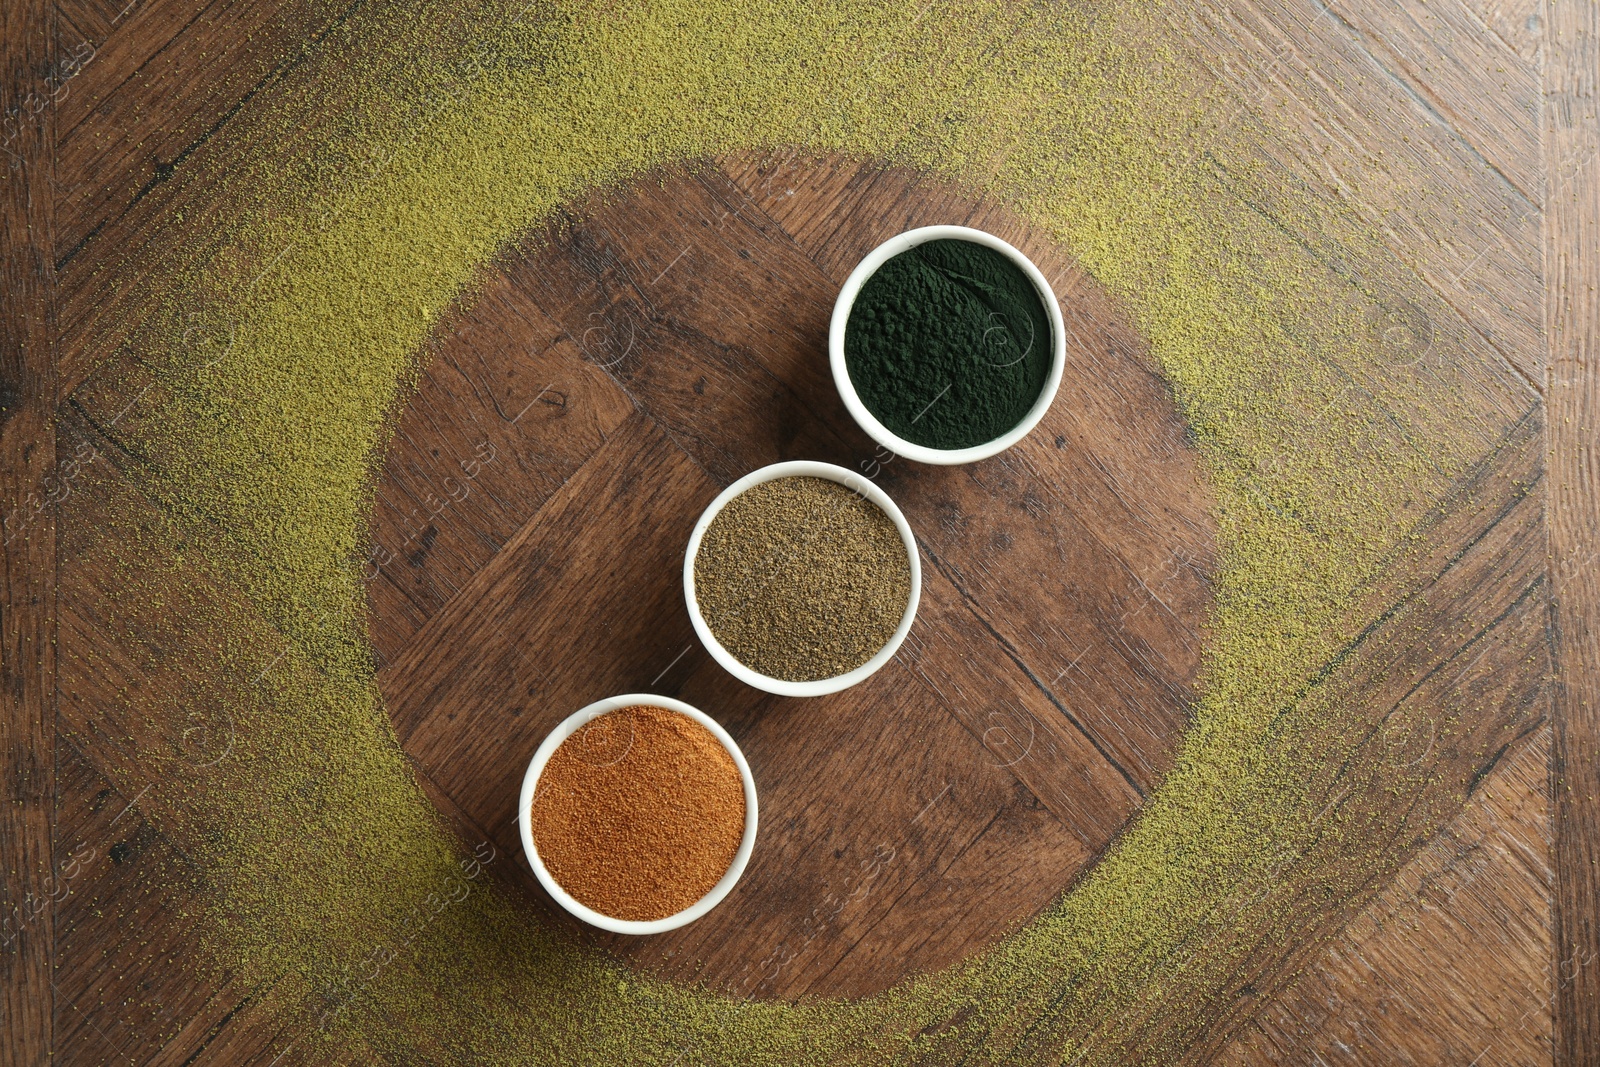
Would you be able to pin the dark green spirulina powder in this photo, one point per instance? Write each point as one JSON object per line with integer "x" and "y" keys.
{"x": 802, "y": 579}
{"x": 948, "y": 344}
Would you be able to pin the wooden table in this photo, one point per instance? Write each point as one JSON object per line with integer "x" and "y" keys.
{"x": 510, "y": 495}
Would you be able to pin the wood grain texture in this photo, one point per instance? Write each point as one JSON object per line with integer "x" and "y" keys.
{"x": 817, "y": 897}
{"x": 132, "y": 912}
{"x": 1448, "y": 676}
{"x": 90, "y": 21}
{"x": 1477, "y": 901}
{"x": 1472, "y": 80}
{"x": 1040, "y": 696}
{"x": 1519, "y": 24}
{"x": 1400, "y": 112}
{"x": 163, "y": 80}
{"x": 124, "y": 916}
{"x": 29, "y": 880}
{"x": 140, "y": 740}
{"x": 173, "y": 111}
{"x": 504, "y": 414}
{"x": 1310, "y": 95}
{"x": 1572, "y": 238}
{"x": 1136, "y": 512}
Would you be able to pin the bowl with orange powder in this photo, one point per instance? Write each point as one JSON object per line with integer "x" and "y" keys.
{"x": 638, "y": 814}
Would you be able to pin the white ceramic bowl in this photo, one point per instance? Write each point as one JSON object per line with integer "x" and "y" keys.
{"x": 530, "y": 782}
{"x": 822, "y": 686}
{"x": 847, "y": 390}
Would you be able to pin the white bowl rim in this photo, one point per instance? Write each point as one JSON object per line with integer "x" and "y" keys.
{"x": 802, "y": 468}
{"x": 847, "y": 390}
{"x": 530, "y": 781}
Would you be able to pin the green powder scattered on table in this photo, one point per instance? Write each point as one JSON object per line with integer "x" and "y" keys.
{"x": 948, "y": 344}
{"x": 802, "y": 579}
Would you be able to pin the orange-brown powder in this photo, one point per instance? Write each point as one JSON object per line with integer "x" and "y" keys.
{"x": 639, "y": 813}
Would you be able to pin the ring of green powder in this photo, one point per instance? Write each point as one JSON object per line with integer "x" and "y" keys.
{"x": 273, "y": 438}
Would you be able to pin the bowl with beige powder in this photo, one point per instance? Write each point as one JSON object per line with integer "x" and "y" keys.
{"x": 802, "y": 578}
{"x": 638, "y": 814}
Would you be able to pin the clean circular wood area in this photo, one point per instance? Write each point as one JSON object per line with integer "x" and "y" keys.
{"x": 609, "y": 377}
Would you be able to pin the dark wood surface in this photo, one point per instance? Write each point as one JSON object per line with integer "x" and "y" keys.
{"x": 1465, "y": 129}
{"x": 1572, "y": 322}
{"x": 30, "y": 85}
{"x": 1014, "y": 765}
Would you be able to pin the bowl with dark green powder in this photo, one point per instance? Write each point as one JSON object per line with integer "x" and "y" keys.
{"x": 947, "y": 345}
{"x": 802, "y": 578}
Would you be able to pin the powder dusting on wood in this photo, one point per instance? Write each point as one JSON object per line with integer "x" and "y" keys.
{"x": 279, "y": 347}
